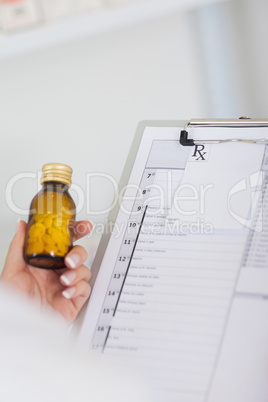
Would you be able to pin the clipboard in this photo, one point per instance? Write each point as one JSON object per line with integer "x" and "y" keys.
{"x": 182, "y": 296}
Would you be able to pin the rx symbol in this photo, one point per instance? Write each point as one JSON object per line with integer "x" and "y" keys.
{"x": 199, "y": 152}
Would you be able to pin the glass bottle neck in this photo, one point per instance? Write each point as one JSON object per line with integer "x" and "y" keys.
{"x": 54, "y": 186}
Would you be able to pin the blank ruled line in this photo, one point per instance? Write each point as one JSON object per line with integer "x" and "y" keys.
{"x": 207, "y": 260}
{"x": 185, "y": 276}
{"x": 169, "y": 331}
{"x": 177, "y": 304}
{"x": 122, "y": 310}
{"x": 187, "y": 240}
{"x": 163, "y": 320}
{"x": 186, "y": 286}
{"x": 152, "y": 348}
{"x": 190, "y": 250}
{"x": 166, "y": 169}
{"x": 148, "y": 267}
{"x": 173, "y": 294}
{"x": 122, "y": 335}
{"x": 153, "y": 269}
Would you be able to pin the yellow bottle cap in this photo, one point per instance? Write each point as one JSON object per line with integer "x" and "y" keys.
{"x": 57, "y": 172}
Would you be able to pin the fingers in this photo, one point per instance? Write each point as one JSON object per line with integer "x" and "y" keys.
{"x": 75, "y": 257}
{"x": 71, "y": 277}
{"x": 81, "y": 229}
{"x": 14, "y": 260}
{"x": 82, "y": 289}
{"x": 76, "y": 278}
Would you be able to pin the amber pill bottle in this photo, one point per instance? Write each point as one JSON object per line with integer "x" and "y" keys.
{"x": 49, "y": 235}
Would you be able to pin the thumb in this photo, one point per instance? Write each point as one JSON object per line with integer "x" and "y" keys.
{"x": 14, "y": 260}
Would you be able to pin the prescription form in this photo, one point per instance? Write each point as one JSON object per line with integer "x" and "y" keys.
{"x": 182, "y": 291}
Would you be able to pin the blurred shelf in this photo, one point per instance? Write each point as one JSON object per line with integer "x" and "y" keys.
{"x": 75, "y": 23}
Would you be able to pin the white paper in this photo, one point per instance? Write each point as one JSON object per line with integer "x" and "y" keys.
{"x": 220, "y": 189}
{"x": 165, "y": 294}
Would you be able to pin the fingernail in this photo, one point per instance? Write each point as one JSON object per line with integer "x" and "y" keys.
{"x": 68, "y": 293}
{"x": 18, "y": 225}
{"x": 73, "y": 260}
{"x": 68, "y": 277}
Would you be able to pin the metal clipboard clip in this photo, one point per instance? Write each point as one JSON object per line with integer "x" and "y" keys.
{"x": 245, "y": 122}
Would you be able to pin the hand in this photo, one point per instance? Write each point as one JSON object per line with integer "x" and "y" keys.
{"x": 65, "y": 290}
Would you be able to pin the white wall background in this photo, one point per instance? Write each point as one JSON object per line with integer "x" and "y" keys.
{"x": 80, "y": 102}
